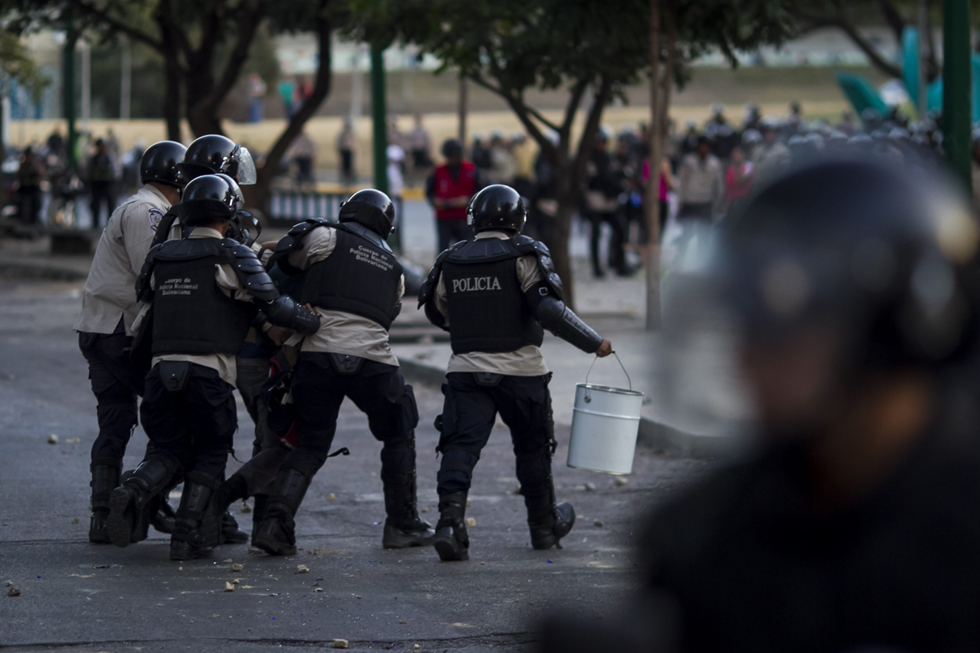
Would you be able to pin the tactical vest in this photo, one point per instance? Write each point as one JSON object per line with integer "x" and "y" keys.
{"x": 359, "y": 277}
{"x": 191, "y": 314}
{"x": 487, "y": 308}
{"x": 448, "y": 188}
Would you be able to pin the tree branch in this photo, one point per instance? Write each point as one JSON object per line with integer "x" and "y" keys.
{"x": 516, "y": 103}
{"x": 321, "y": 89}
{"x": 813, "y": 21}
{"x": 591, "y": 128}
{"x": 893, "y": 18}
{"x": 117, "y": 24}
{"x": 248, "y": 25}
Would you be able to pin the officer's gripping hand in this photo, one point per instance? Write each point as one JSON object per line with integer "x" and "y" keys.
{"x": 604, "y": 349}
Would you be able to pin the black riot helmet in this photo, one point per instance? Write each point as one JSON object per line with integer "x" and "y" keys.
{"x": 213, "y": 153}
{"x": 159, "y": 163}
{"x": 208, "y": 198}
{"x": 497, "y": 207}
{"x": 883, "y": 257}
{"x": 371, "y": 208}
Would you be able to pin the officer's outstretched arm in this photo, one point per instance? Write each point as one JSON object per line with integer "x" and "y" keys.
{"x": 427, "y": 296}
{"x": 284, "y": 312}
{"x": 279, "y": 309}
{"x": 553, "y": 315}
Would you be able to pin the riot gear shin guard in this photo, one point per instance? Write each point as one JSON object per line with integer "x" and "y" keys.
{"x": 403, "y": 527}
{"x": 105, "y": 479}
{"x": 451, "y": 540}
{"x": 196, "y": 530}
{"x": 126, "y": 503}
{"x": 276, "y": 533}
{"x": 547, "y": 521}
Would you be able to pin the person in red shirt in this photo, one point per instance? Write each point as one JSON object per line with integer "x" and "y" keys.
{"x": 738, "y": 177}
{"x": 449, "y": 189}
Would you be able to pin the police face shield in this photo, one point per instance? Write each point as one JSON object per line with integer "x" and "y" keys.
{"x": 247, "y": 175}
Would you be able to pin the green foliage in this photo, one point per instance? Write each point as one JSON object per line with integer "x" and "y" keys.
{"x": 16, "y": 63}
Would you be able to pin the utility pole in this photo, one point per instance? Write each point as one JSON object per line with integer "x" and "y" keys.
{"x": 379, "y": 118}
{"x": 68, "y": 87}
{"x": 125, "y": 80}
{"x": 957, "y": 89}
{"x": 922, "y": 102}
{"x": 86, "y": 83}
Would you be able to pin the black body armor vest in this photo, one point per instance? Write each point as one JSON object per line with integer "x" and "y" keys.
{"x": 191, "y": 315}
{"x": 487, "y": 308}
{"x": 360, "y": 277}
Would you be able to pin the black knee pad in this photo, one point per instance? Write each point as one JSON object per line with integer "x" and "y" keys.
{"x": 408, "y": 413}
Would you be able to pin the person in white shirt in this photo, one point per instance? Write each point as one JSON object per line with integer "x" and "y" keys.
{"x": 105, "y": 322}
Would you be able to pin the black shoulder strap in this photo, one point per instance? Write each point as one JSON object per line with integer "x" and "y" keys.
{"x": 249, "y": 270}
{"x": 166, "y": 224}
{"x": 144, "y": 293}
{"x": 367, "y": 234}
{"x": 428, "y": 289}
{"x": 546, "y": 266}
{"x": 292, "y": 241}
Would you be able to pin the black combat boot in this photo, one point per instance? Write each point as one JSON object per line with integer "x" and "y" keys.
{"x": 197, "y": 528}
{"x": 127, "y": 503}
{"x": 403, "y": 527}
{"x": 547, "y": 521}
{"x": 258, "y": 513}
{"x": 163, "y": 516}
{"x": 276, "y": 534}
{"x": 234, "y": 489}
{"x": 105, "y": 479}
{"x": 451, "y": 540}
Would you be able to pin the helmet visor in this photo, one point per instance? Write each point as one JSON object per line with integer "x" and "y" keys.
{"x": 246, "y": 168}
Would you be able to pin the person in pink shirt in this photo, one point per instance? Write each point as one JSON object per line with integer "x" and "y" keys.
{"x": 664, "y": 187}
{"x": 738, "y": 177}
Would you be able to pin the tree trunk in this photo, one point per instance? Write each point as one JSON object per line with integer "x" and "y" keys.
{"x": 200, "y": 113}
{"x": 257, "y": 196}
{"x": 171, "y": 103}
{"x": 567, "y": 206}
{"x": 653, "y": 317}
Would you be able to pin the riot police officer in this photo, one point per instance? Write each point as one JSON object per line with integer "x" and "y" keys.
{"x": 202, "y": 293}
{"x": 494, "y": 294}
{"x": 217, "y": 154}
{"x": 853, "y": 291}
{"x": 355, "y": 283}
{"x": 104, "y": 325}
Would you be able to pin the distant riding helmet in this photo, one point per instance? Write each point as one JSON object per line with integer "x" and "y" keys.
{"x": 497, "y": 207}
{"x": 371, "y": 208}
{"x": 208, "y": 198}
{"x": 160, "y": 161}
{"x": 213, "y": 153}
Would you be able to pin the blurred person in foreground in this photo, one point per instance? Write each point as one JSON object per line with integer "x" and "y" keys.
{"x": 853, "y": 290}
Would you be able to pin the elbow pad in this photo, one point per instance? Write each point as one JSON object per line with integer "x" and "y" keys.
{"x": 284, "y": 312}
{"x": 561, "y": 320}
{"x": 434, "y": 316}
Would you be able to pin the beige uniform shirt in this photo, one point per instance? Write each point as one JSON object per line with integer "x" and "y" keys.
{"x": 227, "y": 280}
{"x": 341, "y": 332}
{"x": 526, "y": 361}
{"x": 110, "y": 290}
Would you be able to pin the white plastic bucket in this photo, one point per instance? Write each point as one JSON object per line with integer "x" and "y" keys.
{"x": 605, "y": 423}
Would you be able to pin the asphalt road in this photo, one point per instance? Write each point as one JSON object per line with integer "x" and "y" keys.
{"x": 76, "y": 596}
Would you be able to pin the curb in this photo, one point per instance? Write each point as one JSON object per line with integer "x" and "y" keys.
{"x": 653, "y": 435}
{"x": 31, "y": 270}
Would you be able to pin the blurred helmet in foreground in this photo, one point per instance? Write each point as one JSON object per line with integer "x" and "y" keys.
{"x": 883, "y": 258}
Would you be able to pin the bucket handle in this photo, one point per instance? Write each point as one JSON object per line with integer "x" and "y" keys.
{"x": 588, "y": 397}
